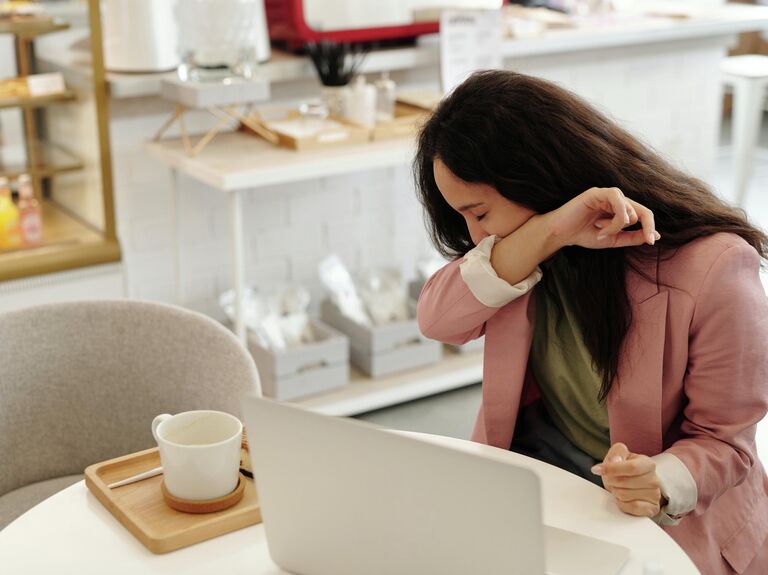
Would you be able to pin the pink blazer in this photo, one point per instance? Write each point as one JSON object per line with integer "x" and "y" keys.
{"x": 693, "y": 381}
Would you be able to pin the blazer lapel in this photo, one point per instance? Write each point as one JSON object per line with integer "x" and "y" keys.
{"x": 634, "y": 402}
{"x": 507, "y": 346}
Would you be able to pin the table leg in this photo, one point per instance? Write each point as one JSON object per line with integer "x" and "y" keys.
{"x": 238, "y": 262}
{"x": 177, "y": 113}
{"x": 176, "y": 219}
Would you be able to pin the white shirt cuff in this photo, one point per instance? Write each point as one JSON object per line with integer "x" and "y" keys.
{"x": 482, "y": 280}
{"x": 678, "y": 487}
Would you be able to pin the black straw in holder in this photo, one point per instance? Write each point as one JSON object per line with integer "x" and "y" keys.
{"x": 336, "y": 64}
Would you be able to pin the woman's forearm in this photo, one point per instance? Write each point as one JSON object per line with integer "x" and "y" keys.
{"x": 516, "y": 256}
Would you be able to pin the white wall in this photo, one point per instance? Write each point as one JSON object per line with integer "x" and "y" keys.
{"x": 95, "y": 282}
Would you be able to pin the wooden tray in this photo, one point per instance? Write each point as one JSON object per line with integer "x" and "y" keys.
{"x": 141, "y": 509}
{"x": 342, "y": 134}
{"x": 339, "y": 132}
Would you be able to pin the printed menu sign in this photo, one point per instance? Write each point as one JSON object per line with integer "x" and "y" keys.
{"x": 469, "y": 41}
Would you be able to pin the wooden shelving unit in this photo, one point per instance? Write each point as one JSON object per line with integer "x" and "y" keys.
{"x": 64, "y": 236}
{"x": 68, "y": 241}
{"x": 27, "y": 28}
{"x": 42, "y": 160}
{"x": 27, "y": 102}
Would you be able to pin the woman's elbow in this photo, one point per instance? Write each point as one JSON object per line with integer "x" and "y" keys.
{"x": 427, "y": 326}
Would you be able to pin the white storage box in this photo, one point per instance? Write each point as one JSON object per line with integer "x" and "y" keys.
{"x": 304, "y": 370}
{"x": 381, "y": 350}
{"x": 414, "y": 289}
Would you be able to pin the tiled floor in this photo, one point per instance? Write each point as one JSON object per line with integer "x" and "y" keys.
{"x": 453, "y": 413}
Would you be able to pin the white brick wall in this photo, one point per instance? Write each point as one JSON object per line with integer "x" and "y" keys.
{"x": 288, "y": 229}
{"x": 668, "y": 94}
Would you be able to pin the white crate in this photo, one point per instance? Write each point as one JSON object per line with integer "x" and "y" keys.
{"x": 305, "y": 370}
{"x": 381, "y": 350}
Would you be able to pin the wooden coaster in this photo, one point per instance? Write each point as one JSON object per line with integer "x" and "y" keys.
{"x": 207, "y": 505}
{"x": 245, "y": 458}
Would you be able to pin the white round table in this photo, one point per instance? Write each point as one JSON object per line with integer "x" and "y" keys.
{"x": 72, "y": 533}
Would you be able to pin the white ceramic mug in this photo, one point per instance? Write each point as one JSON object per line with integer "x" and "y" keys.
{"x": 200, "y": 453}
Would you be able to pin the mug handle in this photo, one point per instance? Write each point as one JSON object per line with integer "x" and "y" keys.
{"x": 156, "y": 422}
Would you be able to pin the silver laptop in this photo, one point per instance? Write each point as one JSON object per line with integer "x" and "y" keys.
{"x": 341, "y": 497}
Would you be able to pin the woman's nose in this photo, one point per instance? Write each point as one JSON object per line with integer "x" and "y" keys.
{"x": 476, "y": 232}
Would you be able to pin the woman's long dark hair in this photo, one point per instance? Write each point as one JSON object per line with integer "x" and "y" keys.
{"x": 540, "y": 146}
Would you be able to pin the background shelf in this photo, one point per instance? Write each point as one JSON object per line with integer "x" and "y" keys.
{"x": 31, "y": 27}
{"x": 67, "y": 243}
{"x": 366, "y": 394}
{"x": 69, "y": 203}
{"x": 36, "y": 101}
{"x": 46, "y": 160}
{"x": 242, "y": 161}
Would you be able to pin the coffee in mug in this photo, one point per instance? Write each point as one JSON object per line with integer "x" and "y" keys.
{"x": 200, "y": 453}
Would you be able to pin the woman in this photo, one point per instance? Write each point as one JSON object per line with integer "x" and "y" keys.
{"x": 625, "y": 324}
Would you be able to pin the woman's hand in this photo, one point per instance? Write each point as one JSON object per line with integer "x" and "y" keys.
{"x": 632, "y": 480}
{"x": 596, "y": 219}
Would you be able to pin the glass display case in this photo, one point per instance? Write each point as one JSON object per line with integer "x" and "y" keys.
{"x": 56, "y": 206}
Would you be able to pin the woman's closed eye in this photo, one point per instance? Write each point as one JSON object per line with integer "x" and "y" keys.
{"x": 480, "y": 217}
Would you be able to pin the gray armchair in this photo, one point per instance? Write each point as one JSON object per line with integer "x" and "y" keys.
{"x": 81, "y": 382}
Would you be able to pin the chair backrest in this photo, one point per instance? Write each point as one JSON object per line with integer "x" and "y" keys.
{"x": 81, "y": 382}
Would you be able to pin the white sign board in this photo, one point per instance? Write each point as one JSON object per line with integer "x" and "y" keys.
{"x": 469, "y": 41}
{"x": 46, "y": 84}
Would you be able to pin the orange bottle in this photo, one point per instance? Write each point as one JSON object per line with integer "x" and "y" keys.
{"x": 30, "y": 214}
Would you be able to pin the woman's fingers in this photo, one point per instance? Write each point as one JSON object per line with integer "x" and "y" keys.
{"x": 646, "y": 219}
{"x": 626, "y": 212}
{"x": 618, "y": 205}
{"x": 617, "y": 453}
{"x": 647, "y": 480}
{"x": 631, "y": 466}
{"x": 631, "y": 478}
{"x": 633, "y": 219}
{"x": 627, "y": 495}
{"x": 598, "y": 219}
{"x": 639, "y": 508}
{"x": 625, "y": 239}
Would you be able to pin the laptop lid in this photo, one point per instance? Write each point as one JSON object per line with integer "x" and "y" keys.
{"x": 340, "y": 497}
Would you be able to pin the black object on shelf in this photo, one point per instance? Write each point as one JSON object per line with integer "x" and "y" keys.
{"x": 336, "y": 63}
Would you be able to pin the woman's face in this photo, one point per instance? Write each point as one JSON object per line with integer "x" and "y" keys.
{"x": 485, "y": 210}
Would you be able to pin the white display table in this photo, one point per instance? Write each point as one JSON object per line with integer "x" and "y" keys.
{"x": 72, "y": 533}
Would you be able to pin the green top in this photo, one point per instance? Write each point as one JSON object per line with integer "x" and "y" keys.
{"x": 563, "y": 369}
